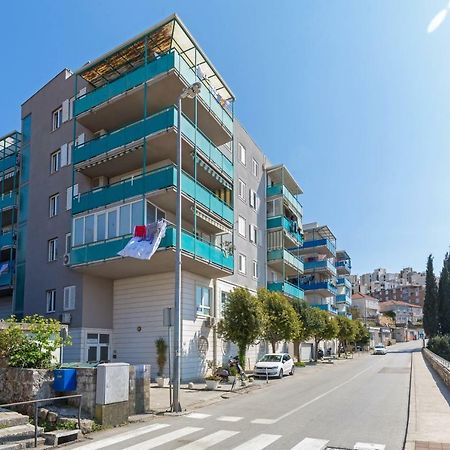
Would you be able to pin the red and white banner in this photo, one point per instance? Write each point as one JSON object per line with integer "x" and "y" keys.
{"x": 145, "y": 241}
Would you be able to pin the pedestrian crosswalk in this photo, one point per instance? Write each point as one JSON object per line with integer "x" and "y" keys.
{"x": 200, "y": 438}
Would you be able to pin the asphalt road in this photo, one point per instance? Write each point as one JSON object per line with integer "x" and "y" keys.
{"x": 360, "y": 400}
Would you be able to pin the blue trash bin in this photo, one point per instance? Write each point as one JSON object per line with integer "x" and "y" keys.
{"x": 65, "y": 380}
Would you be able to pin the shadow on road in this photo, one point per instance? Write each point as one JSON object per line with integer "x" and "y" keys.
{"x": 410, "y": 350}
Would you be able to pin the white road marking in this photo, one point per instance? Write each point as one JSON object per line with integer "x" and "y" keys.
{"x": 229, "y": 418}
{"x": 102, "y": 443}
{"x": 264, "y": 421}
{"x": 164, "y": 439}
{"x": 259, "y": 442}
{"x": 349, "y": 380}
{"x": 311, "y": 444}
{"x": 198, "y": 415}
{"x": 209, "y": 441}
{"x": 368, "y": 446}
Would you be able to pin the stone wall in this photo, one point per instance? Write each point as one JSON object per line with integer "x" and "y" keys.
{"x": 86, "y": 386}
{"x": 442, "y": 370}
{"x": 18, "y": 385}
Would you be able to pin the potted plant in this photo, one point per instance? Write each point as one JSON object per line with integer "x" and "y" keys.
{"x": 212, "y": 381}
{"x": 161, "y": 352}
{"x": 232, "y": 374}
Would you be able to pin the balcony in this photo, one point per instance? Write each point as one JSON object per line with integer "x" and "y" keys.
{"x": 344, "y": 267}
{"x": 6, "y": 279}
{"x": 8, "y": 162}
{"x": 279, "y": 189}
{"x": 284, "y": 262}
{"x": 325, "y": 266}
{"x": 197, "y": 256}
{"x": 344, "y": 298}
{"x": 326, "y": 307}
{"x": 131, "y": 137}
{"x": 342, "y": 281}
{"x": 322, "y": 288}
{"x": 161, "y": 179}
{"x": 6, "y": 239}
{"x": 321, "y": 246}
{"x": 287, "y": 289}
{"x": 287, "y": 225}
{"x": 166, "y": 77}
{"x": 8, "y": 200}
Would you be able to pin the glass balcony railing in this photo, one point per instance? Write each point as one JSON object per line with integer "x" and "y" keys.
{"x": 342, "y": 281}
{"x": 279, "y": 189}
{"x": 288, "y": 258}
{"x": 320, "y": 243}
{"x": 320, "y": 265}
{"x": 319, "y": 285}
{"x": 343, "y": 298}
{"x": 152, "y": 181}
{"x": 8, "y": 162}
{"x": 107, "y": 249}
{"x": 158, "y": 122}
{"x": 286, "y": 288}
{"x": 7, "y": 200}
{"x": 344, "y": 264}
{"x": 6, "y": 239}
{"x": 326, "y": 307}
{"x": 284, "y": 222}
{"x": 158, "y": 66}
{"x": 6, "y": 278}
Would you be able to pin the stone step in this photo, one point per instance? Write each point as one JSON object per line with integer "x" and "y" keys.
{"x": 12, "y": 418}
{"x": 17, "y": 433}
{"x": 58, "y": 437}
{"x": 25, "y": 443}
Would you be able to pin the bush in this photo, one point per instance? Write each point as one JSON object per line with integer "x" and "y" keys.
{"x": 299, "y": 364}
{"x": 440, "y": 345}
{"x": 30, "y": 344}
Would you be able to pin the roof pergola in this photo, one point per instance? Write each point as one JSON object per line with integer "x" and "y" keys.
{"x": 280, "y": 175}
{"x": 169, "y": 34}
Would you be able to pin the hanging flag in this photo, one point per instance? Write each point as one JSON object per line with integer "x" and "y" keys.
{"x": 145, "y": 241}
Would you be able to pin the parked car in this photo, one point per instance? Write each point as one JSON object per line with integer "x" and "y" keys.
{"x": 274, "y": 365}
{"x": 379, "y": 349}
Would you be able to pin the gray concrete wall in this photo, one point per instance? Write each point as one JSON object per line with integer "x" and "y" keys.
{"x": 5, "y": 307}
{"x": 97, "y": 302}
{"x": 242, "y": 208}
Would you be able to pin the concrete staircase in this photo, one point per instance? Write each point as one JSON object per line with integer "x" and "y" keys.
{"x": 16, "y": 432}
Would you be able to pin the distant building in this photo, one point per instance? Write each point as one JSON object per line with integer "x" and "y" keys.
{"x": 404, "y": 312}
{"x": 409, "y": 294}
{"x": 367, "y": 306}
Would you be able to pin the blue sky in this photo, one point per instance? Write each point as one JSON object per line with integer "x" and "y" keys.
{"x": 352, "y": 95}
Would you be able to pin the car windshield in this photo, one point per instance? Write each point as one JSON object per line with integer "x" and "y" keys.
{"x": 271, "y": 358}
{"x": 379, "y": 346}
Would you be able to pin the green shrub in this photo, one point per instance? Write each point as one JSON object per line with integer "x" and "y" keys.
{"x": 440, "y": 345}
{"x": 299, "y": 364}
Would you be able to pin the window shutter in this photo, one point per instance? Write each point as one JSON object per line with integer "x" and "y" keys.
{"x": 65, "y": 110}
{"x": 63, "y": 155}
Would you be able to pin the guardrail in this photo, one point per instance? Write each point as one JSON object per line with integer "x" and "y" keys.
{"x": 41, "y": 400}
{"x": 438, "y": 358}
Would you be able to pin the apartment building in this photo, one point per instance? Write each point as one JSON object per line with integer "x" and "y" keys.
{"x": 98, "y": 157}
{"x": 343, "y": 284}
{"x": 319, "y": 279}
{"x": 415, "y": 295}
{"x": 405, "y": 313}
{"x": 367, "y": 306}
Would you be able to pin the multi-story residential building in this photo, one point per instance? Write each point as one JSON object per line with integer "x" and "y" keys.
{"x": 414, "y": 295}
{"x": 343, "y": 284}
{"x": 368, "y": 307}
{"x": 9, "y": 184}
{"x": 319, "y": 279}
{"x": 405, "y": 313}
{"x": 98, "y": 157}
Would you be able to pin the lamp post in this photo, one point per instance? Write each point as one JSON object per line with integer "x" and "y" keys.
{"x": 189, "y": 92}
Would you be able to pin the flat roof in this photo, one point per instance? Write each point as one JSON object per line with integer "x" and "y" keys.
{"x": 281, "y": 175}
{"x": 342, "y": 254}
{"x": 170, "y": 33}
{"x": 322, "y": 230}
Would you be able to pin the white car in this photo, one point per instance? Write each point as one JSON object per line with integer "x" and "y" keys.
{"x": 274, "y": 365}
{"x": 379, "y": 349}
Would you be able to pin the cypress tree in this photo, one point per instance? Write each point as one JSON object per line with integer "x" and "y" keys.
{"x": 444, "y": 297}
{"x": 431, "y": 303}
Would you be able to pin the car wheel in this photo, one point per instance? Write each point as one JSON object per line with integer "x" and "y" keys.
{"x": 280, "y": 374}
{"x": 292, "y": 370}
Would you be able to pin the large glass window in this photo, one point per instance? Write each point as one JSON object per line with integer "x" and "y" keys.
{"x": 101, "y": 227}
{"x": 112, "y": 224}
{"x": 203, "y": 300}
{"x": 78, "y": 231}
{"x": 136, "y": 215}
{"x": 89, "y": 229}
{"x": 124, "y": 220}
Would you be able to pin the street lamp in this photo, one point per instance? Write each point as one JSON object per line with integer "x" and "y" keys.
{"x": 189, "y": 92}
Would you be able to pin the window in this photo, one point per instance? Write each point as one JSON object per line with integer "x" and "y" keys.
{"x": 241, "y": 226}
{"x": 223, "y": 298}
{"x": 68, "y": 242}
{"x": 255, "y": 167}
{"x": 51, "y": 300}
{"x": 242, "y": 263}
{"x": 274, "y": 208}
{"x": 203, "y": 300}
{"x": 253, "y": 199}
{"x": 241, "y": 189}
{"x": 57, "y": 118}
{"x": 255, "y": 269}
{"x": 253, "y": 233}
{"x": 242, "y": 154}
{"x": 55, "y": 161}
{"x": 97, "y": 347}
{"x": 69, "y": 298}
{"x": 71, "y": 191}
{"x": 52, "y": 249}
{"x": 53, "y": 205}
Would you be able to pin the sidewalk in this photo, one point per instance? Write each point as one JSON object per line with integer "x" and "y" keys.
{"x": 429, "y": 420}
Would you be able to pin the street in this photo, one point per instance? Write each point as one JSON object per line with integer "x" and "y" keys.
{"x": 360, "y": 400}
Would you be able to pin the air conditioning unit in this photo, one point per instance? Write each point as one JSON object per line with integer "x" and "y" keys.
{"x": 100, "y": 133}
{"x": 66, "y": 318}
{"x": 210, "y": 322}
{"x": 99, "y": 182}
{"x": 66, "y": 259}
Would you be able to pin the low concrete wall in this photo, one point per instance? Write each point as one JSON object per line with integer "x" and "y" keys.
{"x": 439, "y": 366}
